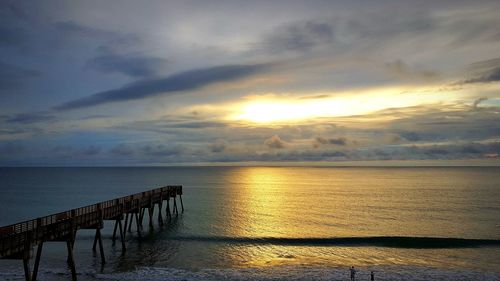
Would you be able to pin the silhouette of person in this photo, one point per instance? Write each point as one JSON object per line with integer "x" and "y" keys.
{"x": 353, "y": 273}
{"x": 372, "y": 276}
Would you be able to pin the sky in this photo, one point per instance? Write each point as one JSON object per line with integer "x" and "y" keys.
{"x": 90, "y": 83}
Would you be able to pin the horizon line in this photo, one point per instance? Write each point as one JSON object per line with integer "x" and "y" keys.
{"x": 347, "y": 164}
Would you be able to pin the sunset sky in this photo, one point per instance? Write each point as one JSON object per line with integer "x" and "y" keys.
{"x": 121, "y": 83}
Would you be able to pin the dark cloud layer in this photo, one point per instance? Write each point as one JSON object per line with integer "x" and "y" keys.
{"x": 14, "y": 24}
{"x": 78, "y": 31}
{"x": 372, "y": 26}
{"x": 299, "y": 36}
{"x": 122, "y": 150}
{"x": 335, "y": 141}
{"x": 81, "y": 55}
{"x": 130, "y": 65}
{"x": 489, "y": 76}
{"x": 161, "y": 150}
{"x": 218, "y": 146}
{"x": 29, "y": 118}
{"x": 450, "y": 151}
{"x": 484, "y": 71}
{"x": 12, "y": 76}
{"x": 25, "y": 28}
{"x": 196, "y": 125}
{"x": 189, "y": 80}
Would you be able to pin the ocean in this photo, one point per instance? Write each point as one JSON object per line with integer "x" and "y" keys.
{"x": 274, "y": 223}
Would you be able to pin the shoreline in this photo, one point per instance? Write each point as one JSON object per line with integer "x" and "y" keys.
{"x": 382, "y": 272}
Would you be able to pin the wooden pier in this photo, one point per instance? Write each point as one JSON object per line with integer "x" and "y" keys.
{"x": 18, "y": 241}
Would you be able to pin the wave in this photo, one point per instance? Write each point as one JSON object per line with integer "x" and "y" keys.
{"x": 377, "y": 241}
{"x": 294, "y": 273}
{"x": 275, "y": 273}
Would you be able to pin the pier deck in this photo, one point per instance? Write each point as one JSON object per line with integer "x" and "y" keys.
{"x": 17, "y": 241}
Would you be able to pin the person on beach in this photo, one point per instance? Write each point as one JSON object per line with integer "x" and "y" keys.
{"x": 372, "y": 276}
{"x": 353, "y": 273}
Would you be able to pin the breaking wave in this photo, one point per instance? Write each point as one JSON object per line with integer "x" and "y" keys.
{"x": 377, "y": 241}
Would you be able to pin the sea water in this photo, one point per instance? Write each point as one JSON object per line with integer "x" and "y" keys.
{"x": 274, "y": 223}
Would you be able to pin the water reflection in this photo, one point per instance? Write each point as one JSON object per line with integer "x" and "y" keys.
{"x": 262, "y": 203}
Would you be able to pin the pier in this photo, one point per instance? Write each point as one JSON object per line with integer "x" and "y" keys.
{"x": 18, "y": 241}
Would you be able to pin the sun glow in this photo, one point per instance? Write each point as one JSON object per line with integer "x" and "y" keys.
{"x": 289, "y": 110}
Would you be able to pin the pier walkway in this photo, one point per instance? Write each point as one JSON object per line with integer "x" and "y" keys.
{"x": 18, "y": 241}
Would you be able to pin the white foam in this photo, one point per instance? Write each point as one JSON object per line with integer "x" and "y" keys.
{"x": 272, "y": 273}
{"x": 276, "y": 273}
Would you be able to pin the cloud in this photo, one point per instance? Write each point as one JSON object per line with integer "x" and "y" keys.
{"x": 471, "y": 149}
{"x": 71, "y": 28}
{"x": 275, "y": 142}
{"x": 96, "y": 116}
{"x": 131, "y": 65}
{"x": 411, "y": 136}
{"x": 476, "y": 103}
{"x": 425, "y": 132}
{"x": 29, "y": 29}
{"x": 196, "y": 124}
{"x": 436, "y": 150}
{"x": 484, "y": 65}
{"x": 404, "y": 71}
{"x": 12, "y": 76}
{"x": 161, "y": 150}
{"x": 91, "y": 150}
{"x": 299, "y": 155}
{"x": 218, "y": 146}
{"x": 394, "y": 138}
{"x": 484, "y": 72}
{"x": 299, "y": 36}
{"x": 326, "y": 141}
{"x": 175, "y": 83}
{"x": 487, "y": 77}
{"x": 452, "y": 151}
{"x": 346, "y": 33}
{"x": 29, "y": 118}
{"x": 328, "y": 50}
{"x": 65, "y": 33}
{"x": 14, "y": 24}
{"x": 321, "y": 96}
{"x": 122, "y": 150}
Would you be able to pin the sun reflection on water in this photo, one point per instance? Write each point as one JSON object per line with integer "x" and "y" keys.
{"x": 327, "y": 203}
{"x": 261, "y": 200}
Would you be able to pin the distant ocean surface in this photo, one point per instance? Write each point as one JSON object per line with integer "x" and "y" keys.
{"x": 275, "y": 223}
